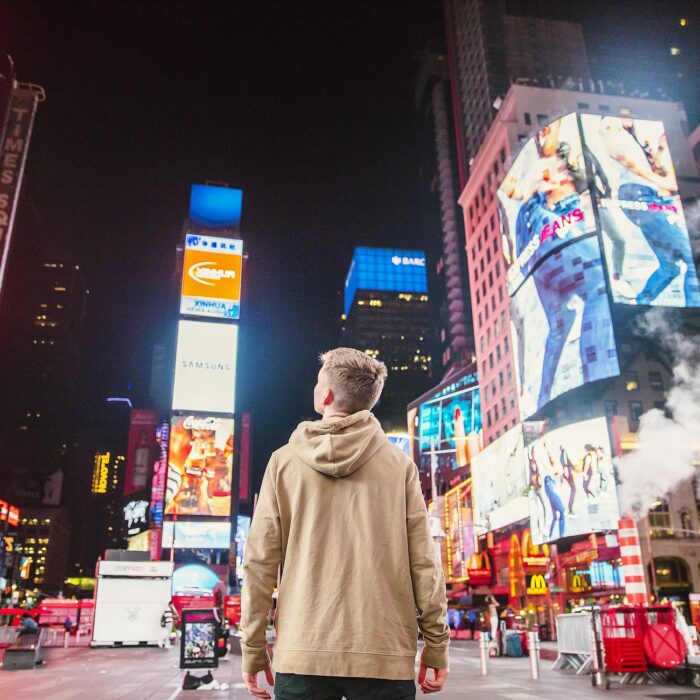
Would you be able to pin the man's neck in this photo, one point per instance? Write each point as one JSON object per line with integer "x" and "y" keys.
{"x": 331, "y": 414}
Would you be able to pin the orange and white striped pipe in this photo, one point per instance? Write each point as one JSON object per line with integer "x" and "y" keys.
{"x": 632, "y": 567}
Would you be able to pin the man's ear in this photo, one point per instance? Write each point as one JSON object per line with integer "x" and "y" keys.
{"x": 328, "y": 397}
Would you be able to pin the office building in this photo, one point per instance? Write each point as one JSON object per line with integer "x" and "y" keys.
{"x": 386, "y": 316}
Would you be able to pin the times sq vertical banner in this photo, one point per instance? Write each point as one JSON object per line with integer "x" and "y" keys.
{"x": 200, "y": 466}
{"x": 13, "y": 156}
{"x": 561, "y": 322}
{"x": 643, "y": 229}
{"x": 211, "y": 278}
{"x": 7, "y": 81}
{"x": 160, "y": 471}
{"x": 571, "y": 484}
{"x": 141, "y": 449}
{"x": 455, "y": 510}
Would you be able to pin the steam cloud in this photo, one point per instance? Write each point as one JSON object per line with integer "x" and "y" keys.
{"x": 664, "y": 457}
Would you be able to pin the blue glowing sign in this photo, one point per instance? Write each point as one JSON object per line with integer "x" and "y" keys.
{"x": 385, "y": 269}
{"x": 215, "y": 207}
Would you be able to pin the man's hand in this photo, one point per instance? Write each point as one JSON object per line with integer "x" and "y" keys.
{"x": 435, "y": 685}
{"x": 251, "y": 682}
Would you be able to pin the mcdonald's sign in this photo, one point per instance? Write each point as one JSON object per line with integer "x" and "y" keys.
{"x": 534, "y": 556}
{"x": 579, "y": 582}
{"x": 479, "y": 569}
{"x": 536, "y": 584}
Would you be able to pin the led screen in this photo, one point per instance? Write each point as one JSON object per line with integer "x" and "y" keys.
{"x": 449, "y": 428}
{"x": 561, "y": 326}
{"x": 644, "y": 233}
{"x": 211, "y": 277}
{"x": 571, "y": 482}
{"x": 544, "y": 198}
{"x": 499, "y": 483}
{"x": 205, "y": 367}
{"x": 402, "y": 441}
{"x": 194, "y": 580}
{"x": 200, "y": 466}
{"x": 212, "y": 206}
{"x": 385, "y": 269}
{"x": 197, "y": 534}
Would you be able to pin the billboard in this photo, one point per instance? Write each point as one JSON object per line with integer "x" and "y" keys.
{"x": 499, "y": 483}
{"x": 213, "y": 206}
{"x": 562, "y": 327}
{"x": 449, "y": 427}
{"x": 211, "y": 277}
{"x": 458, "y": 524}
{"x": 544, "y": 199}
{"x": 644, "y": 232}
{"x": 385, "y": 269}
{"x": 141, "y": 449}
{"x": 135, "y": 517}
{"x": 571, "y": 482}
{"x": 196, "y": 534}
{"x": 205, "y": 367}
{"x": 200, "y": 466}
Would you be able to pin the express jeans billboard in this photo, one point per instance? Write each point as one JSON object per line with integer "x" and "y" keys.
{"x": 571, "y": 481}
{"x": 644, "y": 233}
{"x": 562, "y": 326}
{"x": 544, "y": 199}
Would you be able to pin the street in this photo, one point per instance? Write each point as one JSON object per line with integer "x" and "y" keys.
{"x": 89, "y": 674}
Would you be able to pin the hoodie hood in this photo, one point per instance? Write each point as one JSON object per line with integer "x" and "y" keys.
{"x": 338, "y": 448}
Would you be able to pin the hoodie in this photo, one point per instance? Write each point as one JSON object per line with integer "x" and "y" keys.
{"x": 341, "y": 517}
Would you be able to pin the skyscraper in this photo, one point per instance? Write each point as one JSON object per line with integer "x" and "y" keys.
{"x": 386, "y": 316}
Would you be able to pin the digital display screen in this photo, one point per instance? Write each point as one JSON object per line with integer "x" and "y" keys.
{"x": 645, "y": 237}
{"x": 458, "y": 524}
{"x": 385, "y": 269}
{"x": 200, "y": 466}
{"x": 205, "y": 367}
{"x": 211, "y": 277}
{"x": 213, "y": 206}
{"x": 562, "y": 327}
{"x": 499, "y": 484}
{"x": 196, "y": 534}
{"x": 449, "y": 427}
{"x": 571, "y": 482}
{"x": 544, "y": 199}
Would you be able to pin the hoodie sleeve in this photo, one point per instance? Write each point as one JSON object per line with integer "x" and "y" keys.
{"x": 426, "y": 575}
{"x": 263, "y": 555}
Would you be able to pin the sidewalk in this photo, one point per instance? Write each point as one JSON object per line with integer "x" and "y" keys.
{"x": 153, "y": 674}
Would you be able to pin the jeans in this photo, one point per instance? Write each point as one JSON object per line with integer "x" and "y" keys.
{"x": 556, "y": 504}
{"x": 292, "y": 686}
{"x": 665, "y": 237}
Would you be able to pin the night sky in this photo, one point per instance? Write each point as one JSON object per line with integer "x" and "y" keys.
{"x": 306, "y": 106}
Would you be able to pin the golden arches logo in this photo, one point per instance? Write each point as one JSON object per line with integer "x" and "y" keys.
{"x": 479, "y": 560}
{"x": 538, "y": 586}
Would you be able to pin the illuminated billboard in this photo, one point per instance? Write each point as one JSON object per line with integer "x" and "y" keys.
{"x": 562, "y": 327}
{"x": 448, "y": 423}
{"x": 571, "y": 482}
{"x": 544, "y": 199}
{"x": 213, "y": 206}
{"x": 385, "y": 269}
{"x": 200, "y": 466}
{"x": 499, "y": 484}
{"x": 205, "y": 367}
{"x": 458, "y": 524}
{"x": 644, "y": 232}
{"x": 141, "y": 449}
{"x": 211, "y": 277}
{"x": 196, "y": 534}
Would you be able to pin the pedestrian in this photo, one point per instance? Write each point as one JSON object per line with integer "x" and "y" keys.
{"x": 493, "y": 616}
{"x": 27, "y": 624}
{"x": 341, "y": 518}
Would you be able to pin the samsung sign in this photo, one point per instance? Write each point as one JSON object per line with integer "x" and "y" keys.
{"x": 205, "y": 367}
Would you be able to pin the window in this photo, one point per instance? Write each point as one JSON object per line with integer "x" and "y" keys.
{"x": 661, "y": 405}
{"x": 675, "y": 51}
{"x": 495, "y": 245}
{"x": 656, "y": 381}
{"x": 490, "y": 279}
{"x": 503, "y": 405}
{"x": 493, "y": 303}
{"x": 604, "y": 108}
{"x": 511, "y": 399}
{"x": 478, "y": 297}
{"x": 481, "y": 264}
{"x": 508, "y": 372}
{"x": 492, "y": 225}
{"x": 583, "y": 105}
{"x": 482, "y": 189}
{"x": 631, "y": 381}
{"x": 542, "y": 119}
{"x": 528, "y": 118}
{"x": 498, "y": 353}
{"x": 500, "y": 379}
{"x": 636, "y": 410}
{"x": 488, "y": 255}
{"x": 505, "y": 344}
{"x": 488, "y": 418}
{"x": 490, "y": 360}
{"x": 500, "y": 294}
{"x": 495, "y": 412}
{"x": 498, "y": 268}
{"x": 610, "y": 408}
{"x": 503, "y": 155}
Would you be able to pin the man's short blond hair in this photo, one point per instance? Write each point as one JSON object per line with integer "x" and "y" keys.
{"x": 355, "y": 378}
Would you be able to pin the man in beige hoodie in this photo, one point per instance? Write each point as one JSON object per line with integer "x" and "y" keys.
{"x": 341, "y": 517}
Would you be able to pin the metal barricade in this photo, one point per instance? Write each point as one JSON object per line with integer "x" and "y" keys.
{"x": 8, "y": 635}
{"x": 574, "y": 642}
